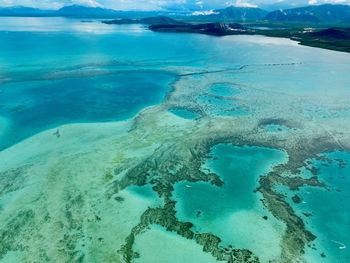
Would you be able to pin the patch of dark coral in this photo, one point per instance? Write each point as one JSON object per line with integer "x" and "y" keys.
{"x": 16, "y": 226}
{"x": 166, "y": 217}
{"x": 296, "y": 199}
{"x": 278, "y": 121}
{"x": 12, "y": 180}
{"x": 157, "y": 171}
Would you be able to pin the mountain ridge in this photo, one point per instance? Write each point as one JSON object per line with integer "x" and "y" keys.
{"x": 312, "y": 14}
{"x": 326, "y": 13}
{"x": 241, "y": 13}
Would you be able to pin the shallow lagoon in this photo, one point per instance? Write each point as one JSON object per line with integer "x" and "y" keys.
{"x": 326, "y": 211}
{"x": 221, "y": 106}
{"x": 34, "y": 106}
{"x": 61, "y": 53}
{"x": 157, "y": 245}
{"x": 223, "y": 89}
{"x": 275, "y": 128}
{"x": 59, "y": 48}
{"x": 234, "y": 212}
{"x": 185, "y": 113}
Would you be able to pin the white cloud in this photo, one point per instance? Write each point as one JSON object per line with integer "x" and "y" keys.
{"x": 92, "y": 3}
{"x": 241, "y": 3}
{"x": 205, "y": 13}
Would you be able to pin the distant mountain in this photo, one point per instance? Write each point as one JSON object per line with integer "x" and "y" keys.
{"x": 22, "y": 11}
{"x": 312, "y": 14}
{"x": 241, "y": 13}
{"x": 327, "y": 13}
{"x": 67, "y": 11}
{"x": 160, "y": 20}
{"x": 78, "y": 11}
{"x": 155, "y": 20}
{"x": 281, "y": 4}
{"x": 229, "y": 14}
{"x": 84, "y": 11}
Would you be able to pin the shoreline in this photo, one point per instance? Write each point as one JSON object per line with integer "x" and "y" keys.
{"x": 304, "y": 42}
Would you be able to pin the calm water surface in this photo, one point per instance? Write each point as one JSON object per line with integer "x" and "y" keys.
{"x": 55, "y": 71}
{"x": 234, "y": 212}
{"x": 326, "y": 211}
{"x": 42, "y": 59}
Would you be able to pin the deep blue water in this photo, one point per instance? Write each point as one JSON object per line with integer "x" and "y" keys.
{"x": 49, "y": 72}
{"x": 33, "y": 106}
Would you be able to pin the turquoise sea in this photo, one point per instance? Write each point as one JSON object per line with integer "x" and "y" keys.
{"x": 326, "y": 210}
{"x": 57, "y": 71}
{"x": 42, "y": 59}
{"x": 234, "y": 212}
{"x": 34, "y": 106}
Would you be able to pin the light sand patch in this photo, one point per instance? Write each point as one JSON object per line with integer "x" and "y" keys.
{"x": 249, "y": 230}
{"x": 158, "y": 246}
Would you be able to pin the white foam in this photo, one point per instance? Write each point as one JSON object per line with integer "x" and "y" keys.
{"x": 341, "y": 245}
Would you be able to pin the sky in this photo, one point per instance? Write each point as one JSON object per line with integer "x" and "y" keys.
{"x": 165, "y": 4}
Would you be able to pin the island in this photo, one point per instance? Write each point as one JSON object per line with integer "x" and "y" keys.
{"x": 333, "y": 38}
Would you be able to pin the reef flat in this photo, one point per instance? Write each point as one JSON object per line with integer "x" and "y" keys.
{"x": 100, "y": 192}
{"x": 77, "y": 196}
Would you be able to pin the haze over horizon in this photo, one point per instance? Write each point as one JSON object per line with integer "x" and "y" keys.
{"x": 167, "y": 4}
